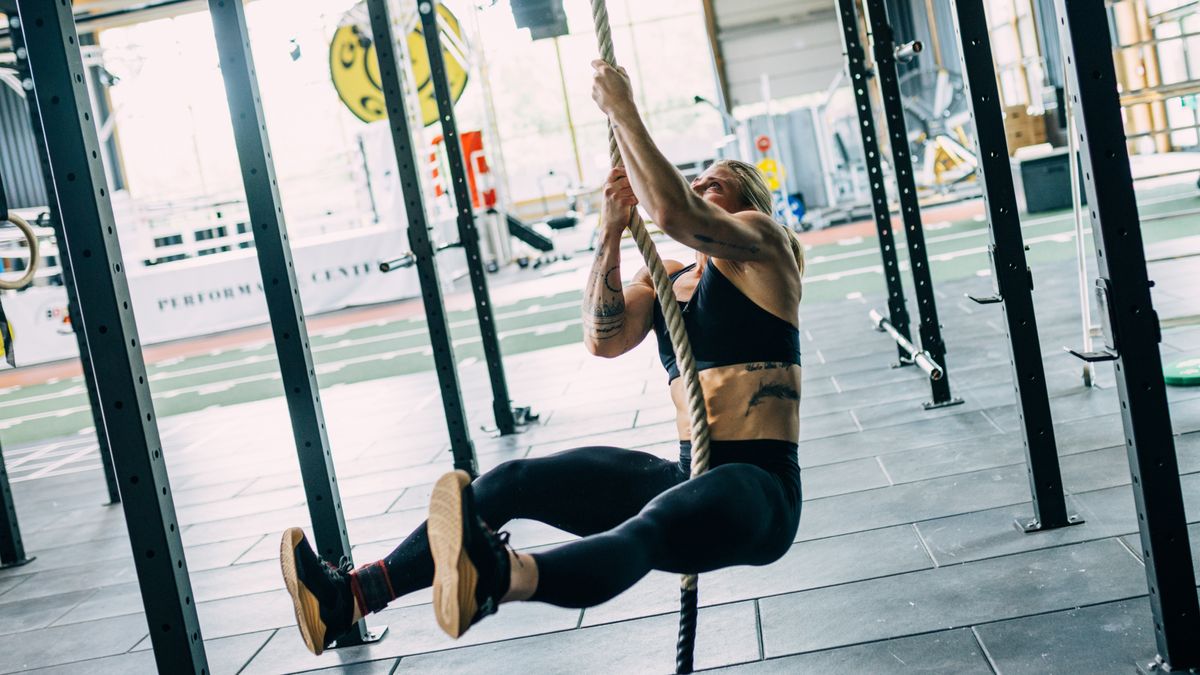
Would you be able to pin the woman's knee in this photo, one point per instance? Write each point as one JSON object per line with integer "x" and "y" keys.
{"x": 497, "y": 492}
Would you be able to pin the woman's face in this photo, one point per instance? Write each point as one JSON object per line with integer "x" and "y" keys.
{"x": 718, "y": 186}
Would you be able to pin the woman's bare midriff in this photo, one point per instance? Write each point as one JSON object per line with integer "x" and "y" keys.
{"x": 747, "y": 401}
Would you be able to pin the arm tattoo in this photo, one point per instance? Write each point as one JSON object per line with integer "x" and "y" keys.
{"x": 604, "y": 320}
{"x": 767, "y": 390}
{"x": 604, "y": 300}
{"x": 608, "y": 284}
{"x": 741, "y": 247}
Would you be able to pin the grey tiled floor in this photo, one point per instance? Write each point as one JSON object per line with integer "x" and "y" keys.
{"x": 906, "y": 559}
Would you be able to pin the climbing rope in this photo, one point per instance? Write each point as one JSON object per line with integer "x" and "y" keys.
{"x": 688, "y": 603}
{"x": 31, "y": 269}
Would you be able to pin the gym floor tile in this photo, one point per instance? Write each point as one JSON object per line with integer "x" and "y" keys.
{"x": 724, "y": 634}
{"x": 12, "y": 580}
{"x": 244, "y": 526}
{"x": 247, "y": 614}
{"x": 1106, "y": 638}
{"x": 991, "y": 533}
{"x": 384, "y": 667}
{"x": 910, "y": 502}
{"x": 65, "y": 644}
{"x": 1134, "y": 542}
{"x": 919, "y": 434}
{"x": 812, "y": 403}
{"x": 66, "y": 580}
{"x": 225, "y": 655}
{"x": 105, "y": 603}
{"x": 810, "y": 564}
{"x": 37, "y": 613}
{"x": 950, "y": 597}
{"x": 952, "y": 651}
{"x": 626, "y": 438}
{"x": 986, "y": 451}
{"x": 411, "y": 630}
{"x": 829, "y": 424}
{"x": 834, "y": 479}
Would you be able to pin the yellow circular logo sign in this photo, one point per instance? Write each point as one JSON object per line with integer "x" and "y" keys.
{"x": 355, "y": 68}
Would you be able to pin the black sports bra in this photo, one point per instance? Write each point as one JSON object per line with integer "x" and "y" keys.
{"x": 726, "y": 327}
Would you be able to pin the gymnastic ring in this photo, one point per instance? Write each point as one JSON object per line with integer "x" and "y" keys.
{"x": 31, "y": 236}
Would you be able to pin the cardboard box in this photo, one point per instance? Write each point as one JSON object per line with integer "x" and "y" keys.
{"x": 1022, "y": 129}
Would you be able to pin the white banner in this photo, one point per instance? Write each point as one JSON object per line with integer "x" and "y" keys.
{"x": 201, "y": 296}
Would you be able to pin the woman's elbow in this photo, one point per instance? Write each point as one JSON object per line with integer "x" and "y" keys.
{"x": 602, "y": 348}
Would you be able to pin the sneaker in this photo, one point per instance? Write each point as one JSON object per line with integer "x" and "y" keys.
{"x": 320, "y": 591}
{"x": 471, "y": 564}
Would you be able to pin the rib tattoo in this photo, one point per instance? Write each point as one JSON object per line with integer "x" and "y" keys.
{"x": 766, "y": 365}
{"x": 767, "y": 390}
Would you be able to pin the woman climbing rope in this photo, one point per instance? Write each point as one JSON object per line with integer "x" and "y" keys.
{"x": 634, "y": 512}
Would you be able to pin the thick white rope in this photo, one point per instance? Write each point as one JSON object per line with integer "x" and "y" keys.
{"x": 663, "y": 289}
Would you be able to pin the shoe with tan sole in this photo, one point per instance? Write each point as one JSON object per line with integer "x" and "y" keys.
{"x": 471, "y": 563}
{"x": 320, "y": 592}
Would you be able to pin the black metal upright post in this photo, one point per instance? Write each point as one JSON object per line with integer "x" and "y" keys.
{"x": 884, "y": 50}
{"x": 281, "y": 290}
{"x": 1011, "y": 274}
{"x": 12, "y": 549}
{"x": 1131, "y": 332}
{"x": 424, "y": 254}
{"x": 467, "y": 232}
{"x": 859, "y": 76}
{"x": 85, "y": 362}
{"x": 90, "y": 238}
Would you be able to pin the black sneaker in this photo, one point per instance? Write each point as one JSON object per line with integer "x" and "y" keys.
{"x": 471, "y": 564}
{"x": 321, "y": 592}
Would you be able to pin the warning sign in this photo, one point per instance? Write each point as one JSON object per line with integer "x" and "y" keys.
{"x": 355, "y": 68}
{"x": 771, "y": 171}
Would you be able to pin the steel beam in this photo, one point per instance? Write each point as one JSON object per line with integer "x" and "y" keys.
{"x": 90, "y": 238}
{"x": 12, "y": 549}
{"x": 858, "y": 77}
{"x": 884, "y": 50}
{"x": 1131, "y": 331}
{"x": 85, "y": 362}
{"x": 424, "y": 255}
{"x": 467, "y": 233}
{"x": 282, "y": 292}
{"x": 1011, "y": 274}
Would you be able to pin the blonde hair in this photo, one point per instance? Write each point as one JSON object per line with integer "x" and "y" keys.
{"x": 753, "y": 191}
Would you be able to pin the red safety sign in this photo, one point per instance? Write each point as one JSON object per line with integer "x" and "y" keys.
{"x": 762, "y": 143}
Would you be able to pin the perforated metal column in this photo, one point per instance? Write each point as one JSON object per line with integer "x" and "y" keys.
{"x": 12, "y": 549}
{"x": 930, "y": 329}
{"x": 1013, "y": 279}
{"x": 1132, "y": 331}
{"x": 859, "y": 78}
{"x": 90, "y": 237}
{"x": 280, "y": 287}
{"x": 467, "y": 232}
{"x": 85, "y": 362}
{"x": 425, "y": 256}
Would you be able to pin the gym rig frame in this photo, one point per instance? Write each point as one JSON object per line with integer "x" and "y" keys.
{"x": 108, "y": 340}
{"x": 124, "y": 411}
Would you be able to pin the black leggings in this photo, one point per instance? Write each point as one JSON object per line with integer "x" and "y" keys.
{"x": 635, "y": 512}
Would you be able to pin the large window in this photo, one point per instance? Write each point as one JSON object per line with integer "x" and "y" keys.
{"x": 1016, "y": 51}
{"x": 664, "y": 47}
{"x": 177, "y": 145}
